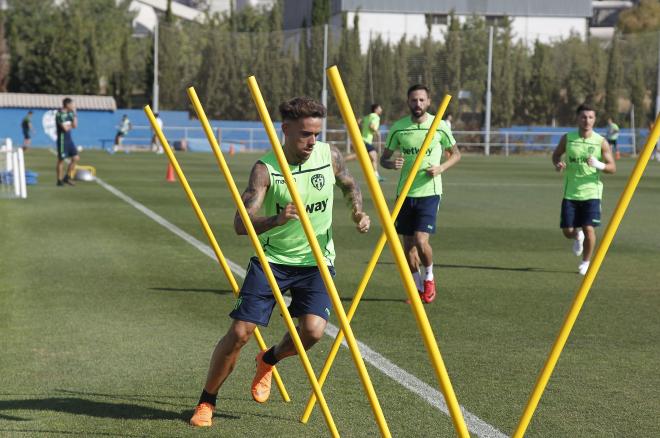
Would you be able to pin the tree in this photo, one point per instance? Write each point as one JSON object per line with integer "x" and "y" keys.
{"x": 452, "y": 62}
{"x": 644, "y": 16}
{"x": 541, "y": 94}
{"x": 474, "y": 61}
{"x": 503, "y": 76}
{"x": 314, "y": 78}
{"x": 638, "y": 92}
{"x": 350, "y": 63}
{"x": 4, "y": 56}
{"x": 615, "y": 79}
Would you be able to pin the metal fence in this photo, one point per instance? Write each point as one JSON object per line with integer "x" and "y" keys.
{"x": 498, "y": 142}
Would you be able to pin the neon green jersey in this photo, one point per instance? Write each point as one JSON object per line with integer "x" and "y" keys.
{"x": 581, "y": 181}
{"x": 407, "y": 137}
{"x": 315, "y": 179}
{"x": 612, "y": 131}
{"x": 369, "y": 122}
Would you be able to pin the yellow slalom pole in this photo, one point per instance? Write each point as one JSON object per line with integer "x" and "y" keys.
{"x": 320, "y": 259}
{"x": 263, "y": 260}
{"x": 430, "y": 134}
{"x": 210, "y": 236}
{"x": 397, "y": 251}
{"x": 588, "y": 280}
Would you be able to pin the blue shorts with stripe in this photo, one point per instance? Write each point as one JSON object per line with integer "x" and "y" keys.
{"x": 418, "y": 214}
{"x": 66, "y": 148}
{"x": 580, "y": 213}
{"x": 255, "y": 302}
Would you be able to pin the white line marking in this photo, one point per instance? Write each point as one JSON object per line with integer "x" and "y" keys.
{"x": 431, "y": 395}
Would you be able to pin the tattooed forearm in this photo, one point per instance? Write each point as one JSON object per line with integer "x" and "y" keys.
{"x": 253, "y": 198}
{"x": 347, "y": 183}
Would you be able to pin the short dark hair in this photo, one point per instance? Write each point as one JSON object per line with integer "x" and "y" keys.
{"x": 301, "y": 107}
{"x": 418, "y": 87}
{"x": 30, "y": 112}
{"x": 585, "y": 107}
{"x": 66, "y": 101}
{"x": 374, "y": 107}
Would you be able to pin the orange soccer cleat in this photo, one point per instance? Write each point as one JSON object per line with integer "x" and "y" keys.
{"x": 203, "y": 416}
{"x": 262, "y": 379}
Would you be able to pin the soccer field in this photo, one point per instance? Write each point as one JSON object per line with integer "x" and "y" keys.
{"x": 108, "y": 319}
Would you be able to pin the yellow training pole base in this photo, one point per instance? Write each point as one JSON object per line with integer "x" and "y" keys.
{"x": 583, "y": 291}
{"x": 430, "y": 134}
{"x": 254, "y": 239}
{"x": 397, "y": 251}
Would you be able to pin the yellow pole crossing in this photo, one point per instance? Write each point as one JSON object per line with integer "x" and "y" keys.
{"x": 318, "y": 255}
{"x": 588, "y": 280}
{"x": 210, "y": 236}
{"x": 264, "y": 261}
{"x": 397, "y": 251}
{"x": 430, "y": 134}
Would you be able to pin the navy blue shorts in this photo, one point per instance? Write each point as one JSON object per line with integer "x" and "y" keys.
{"x": 255, "y": 303}
{"x": 418, "y": 214}
{"x": 66, "y": 149}
{"x": 580, "y": 213}
{"x": 369, "y": 147}
{"x": 26, "y": 134}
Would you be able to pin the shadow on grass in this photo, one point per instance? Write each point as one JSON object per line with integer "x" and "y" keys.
{"x": 41, "y": 432}
{"x": 391, "y": 300}
{"x": 187, "y": 289}
{"x": 492, "y": 268}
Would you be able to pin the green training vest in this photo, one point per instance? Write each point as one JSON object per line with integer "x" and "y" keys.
{"x": 581, "y": 181}
{"x": 315, "y": 179}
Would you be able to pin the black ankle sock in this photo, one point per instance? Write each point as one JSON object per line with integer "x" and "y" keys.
{"x": 208, "y": 398}
{"x": 269, "y": 357}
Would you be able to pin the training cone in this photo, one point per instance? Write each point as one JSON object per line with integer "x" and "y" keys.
{"x": 169, "y": 176}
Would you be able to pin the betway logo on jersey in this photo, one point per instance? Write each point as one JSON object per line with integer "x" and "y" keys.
{"x": 579, "y": 160}
{"x": 414, "y": 151}
{"x": 311, "y": 208}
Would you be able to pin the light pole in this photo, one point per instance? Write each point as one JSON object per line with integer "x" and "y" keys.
{"x": 155, "y": 82}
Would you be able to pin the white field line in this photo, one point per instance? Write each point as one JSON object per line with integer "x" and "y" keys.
{"x": 399, "y": 375}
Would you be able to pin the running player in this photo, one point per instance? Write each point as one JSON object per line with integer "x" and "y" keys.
{"x": 587, "y": 155}
{"x": 317, "y": 167}
{"x": 370, "y": 125}
{"x": 416, "y": 221}
{"x": 66, "y": 119}
{"x": 613, "y": 136}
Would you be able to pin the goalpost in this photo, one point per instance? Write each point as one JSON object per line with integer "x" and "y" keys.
{"x": 12, "y": 171}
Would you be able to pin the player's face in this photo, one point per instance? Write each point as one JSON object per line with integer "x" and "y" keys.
{"x": 586, "y": 120}
{"x": 418, "y": 102}
{"x": 300, "y": 136}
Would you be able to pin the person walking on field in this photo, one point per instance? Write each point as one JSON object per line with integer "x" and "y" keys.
{"x": 586, "y": 155}
{"x": 26, "y": 127}
{"x": 612, "y": 136}
{"x": 370, "y": 135}
{"x": 124, "y": 126}
{"x": 66, "y": 120}
{"x": 316, "y": 167}
{"x": 416, "y": 220}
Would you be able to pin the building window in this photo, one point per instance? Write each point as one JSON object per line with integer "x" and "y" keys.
{"x": 495, "y": 20}
{"x": 437, "y": 19}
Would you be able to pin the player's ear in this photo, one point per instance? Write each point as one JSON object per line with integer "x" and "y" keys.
{"x": 285, "y": 127}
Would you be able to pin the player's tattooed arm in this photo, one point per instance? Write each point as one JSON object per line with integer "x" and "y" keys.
{"x": 253, "y": 198}
{"x": 351, "y": 191}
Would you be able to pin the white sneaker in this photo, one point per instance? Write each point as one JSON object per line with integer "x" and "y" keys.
{"x": 582, "y": 269}
{"x": 578, "y": 243}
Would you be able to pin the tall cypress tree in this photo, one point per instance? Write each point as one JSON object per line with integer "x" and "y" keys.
{"x": 452, "y": 62}
{"x": 614, "y": 79}
{"x": 503, "y": 77}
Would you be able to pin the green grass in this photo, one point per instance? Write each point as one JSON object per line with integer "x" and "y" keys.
{"x": 107, "y": 320}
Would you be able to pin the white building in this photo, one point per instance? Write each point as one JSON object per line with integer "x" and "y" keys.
{"x": 544, "y": 20}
